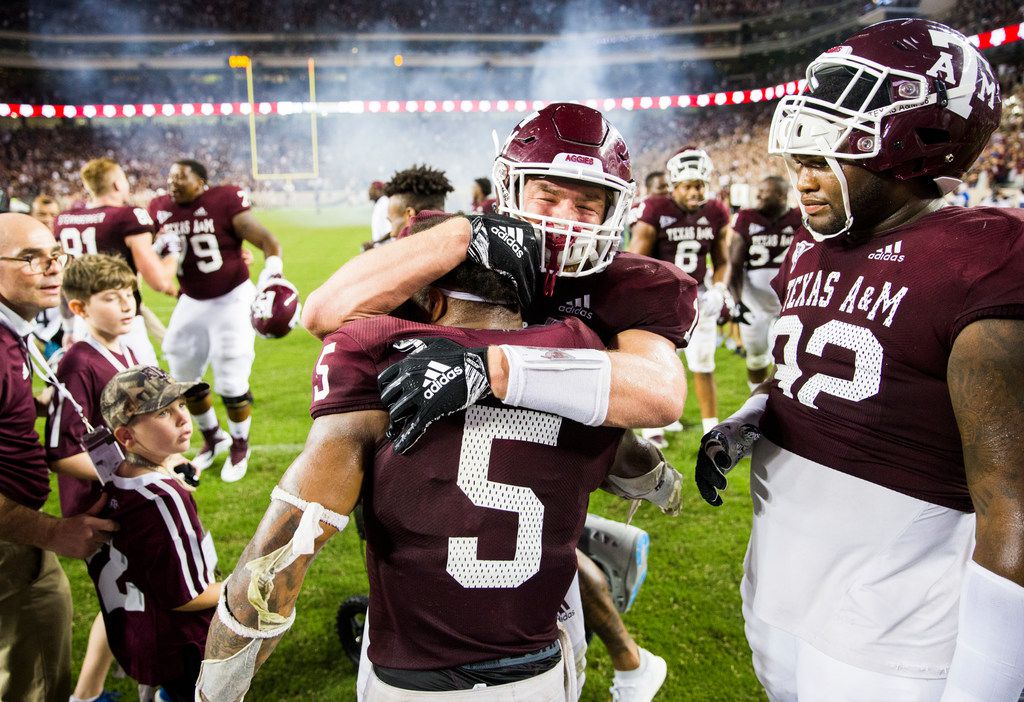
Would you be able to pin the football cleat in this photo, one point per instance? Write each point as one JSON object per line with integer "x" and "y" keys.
{"x": 237, "y": 463}
{"x": 642, "y": 684}
{"x": 276, "y": 308}
{"x": 216, "y": 444}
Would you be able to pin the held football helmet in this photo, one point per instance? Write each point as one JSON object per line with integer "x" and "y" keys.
{"x": 911, "y": 97}
{"x": 276, "y": 308}
{"x": 689, "y": 163}
{"x": 575, "y": 142}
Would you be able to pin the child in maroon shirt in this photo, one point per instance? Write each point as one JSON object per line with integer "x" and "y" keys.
{"x": 156, "y": 579}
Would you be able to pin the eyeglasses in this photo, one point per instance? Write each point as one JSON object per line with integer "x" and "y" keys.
{"x": 40, "y": 263}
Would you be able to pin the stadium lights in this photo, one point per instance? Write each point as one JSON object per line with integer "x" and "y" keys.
{"x": 984, "y": 40}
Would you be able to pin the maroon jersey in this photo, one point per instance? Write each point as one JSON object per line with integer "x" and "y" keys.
{"x": 471, "y": 537}
{"x": 84, "y": 370}
{"x": 211, "y": 263}
{"x": 24, "y": 476}
{"x": 767, "y": 240}
{"x": 685, "y": 238}
{"x": 160, "y": 559}
{"x": 90, "y": 230}
{"x": 864, "y": 340}
{"x": 633, "y": 292}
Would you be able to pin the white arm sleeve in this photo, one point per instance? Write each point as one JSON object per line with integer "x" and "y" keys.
{"x": 572, "y": 383}
{"x": 988, "y": 665}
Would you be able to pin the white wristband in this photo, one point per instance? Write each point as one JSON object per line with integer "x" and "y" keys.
{"x": 752, "y": 410}
{"x": 540, "y": 379}
{"x": 238, "y": 628}
{"x": 988, "y": 663}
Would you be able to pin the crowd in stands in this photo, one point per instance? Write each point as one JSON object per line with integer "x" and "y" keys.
{"x": 530, "y": 16}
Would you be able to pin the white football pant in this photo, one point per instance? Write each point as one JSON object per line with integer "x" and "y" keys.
{"x": 216, "y": 331}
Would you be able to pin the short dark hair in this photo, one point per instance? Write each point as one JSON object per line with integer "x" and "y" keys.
{"x": 485, "y": 186}
{"x": 651, "y": 176}
{"x": 778, "y": 182}
{"x": 423, "y": 187}
{"x": 470, "y": 276}
{"x": 197, "y": 168}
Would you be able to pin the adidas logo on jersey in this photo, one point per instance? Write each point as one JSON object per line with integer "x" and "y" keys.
{"x": 787, "y": 230}
{"x": 704, "y": 221}
{"x": 580, "y": 307}
{"x": 665, "y": 221}
{"x": 162, "y": 216}
{"x": 437, "y": 376}
{"x": 756, "y": 229}
{"x": 892, "y": 252}
{"x": 201, "y": 212}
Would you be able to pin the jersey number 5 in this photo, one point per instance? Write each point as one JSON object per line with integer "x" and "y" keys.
{"x": 483, "y": 426}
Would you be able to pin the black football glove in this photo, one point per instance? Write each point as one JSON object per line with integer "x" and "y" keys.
{"x": 437, "y": 379}
{"x": 741, "y": 314}
{"x": 510, "y": 248}
{"x": 720, "y": 450}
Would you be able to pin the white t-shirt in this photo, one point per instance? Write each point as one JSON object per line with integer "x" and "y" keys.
{"x": 380, "y": 225}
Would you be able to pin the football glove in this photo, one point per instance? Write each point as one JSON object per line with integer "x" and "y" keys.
{"x": 437, "y": 379}
{"x": 720, "y": 450}
{"x": 273, "y": 267}
{"x": 712, "y": 301}
{"x": 741, "y": 314}
{"x": 510, "y": 248}
{"x": 167, "y": 244}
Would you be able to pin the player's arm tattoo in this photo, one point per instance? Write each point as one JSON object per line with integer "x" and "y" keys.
{"x": 328, "y": 471}
{"x": 986, "y": 385}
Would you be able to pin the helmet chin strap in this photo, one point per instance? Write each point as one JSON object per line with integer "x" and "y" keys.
{"x": 836, "y": 169}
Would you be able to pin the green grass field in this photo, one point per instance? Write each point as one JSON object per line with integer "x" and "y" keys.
{"x": 688, "y": 610}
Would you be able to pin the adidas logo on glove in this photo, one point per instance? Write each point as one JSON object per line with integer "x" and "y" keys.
{"x": 437, "y": 376}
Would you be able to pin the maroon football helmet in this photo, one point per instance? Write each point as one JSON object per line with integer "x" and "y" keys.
{"x": 276, "y": 308}
{"x": 573, "y": 142}
{"x": 910, "y": 97}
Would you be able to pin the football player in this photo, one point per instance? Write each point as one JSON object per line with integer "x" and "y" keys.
{"x": 763, "y": 236}
{"x": 108, "y": 224}
{"x": 566, "y": 170}
{"x": 885, "y": 556}
{"x": 412, "y": 191}
{"x": 210, "y": 323}
{"x": 684, "y": 228}
{"x": 497, "y": 542}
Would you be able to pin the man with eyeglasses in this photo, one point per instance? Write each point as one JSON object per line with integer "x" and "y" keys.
{"x": 35, "y": 598}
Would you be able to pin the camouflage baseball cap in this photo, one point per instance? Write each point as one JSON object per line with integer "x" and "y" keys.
{"x": 140, "y": 390}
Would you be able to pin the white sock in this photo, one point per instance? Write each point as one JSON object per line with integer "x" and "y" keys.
{"x": 709, "y": 423}
{"x": 83, "y": 699}
{"x": 239, "y": 430}
{"x": 207, "y": 420}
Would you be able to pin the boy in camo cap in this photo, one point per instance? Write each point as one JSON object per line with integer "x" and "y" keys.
{"x": 163, "y": 561}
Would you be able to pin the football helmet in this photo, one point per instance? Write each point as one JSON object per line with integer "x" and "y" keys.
{"x": 575, "y": 142}
{"x": 689, "y": 163}
{"x": 910, "y": 97}
{"x": 275, "y": 310}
